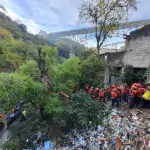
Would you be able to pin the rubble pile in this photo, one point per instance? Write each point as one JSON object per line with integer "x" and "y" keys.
{"x": 123, "y": 129}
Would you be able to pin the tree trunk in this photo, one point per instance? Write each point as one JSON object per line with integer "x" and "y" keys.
{"x": 98, "y": 53}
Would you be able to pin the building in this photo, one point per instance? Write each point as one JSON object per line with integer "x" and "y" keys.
{"x": 136, "y": 53}
{"x": 137, "y": 48}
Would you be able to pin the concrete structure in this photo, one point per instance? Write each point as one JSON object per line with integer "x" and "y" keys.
{"x": 136, "y": 52}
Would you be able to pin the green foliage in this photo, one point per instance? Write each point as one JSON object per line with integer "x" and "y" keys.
{"x": 12, "y": 89}
{"x": 92, "y": 70}
{"x": 89, "y": 52}
{"x": 51, "y": 55}
{"x": 13, "y": 59}
{"x": 14, "y": 52}
{"x": 54, "y": 107}
{"x": 16, "y": 86}
{"x": 131, "y": 75}
{"x": 31, "y": 69}
{"x": 71, "y": 46}
{"x": 115, "y": 72}
{"x": 83, "y": 109}
{"x": 62, "y": 87}
{"x": 17, "y": 32}
{"x": 67, "y": 73}
{"x": 127, "y": 75}
{"x": 78, "y": 112}
{"x": 106, "y": 16}
{"x": 4, "y": 34}
{"x": 13, "y": 144}
{"x": 139, "y": 75}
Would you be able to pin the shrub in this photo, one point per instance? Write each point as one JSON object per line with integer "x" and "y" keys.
{"x": 92, "y": 70}
{"x": 16, "y": 86}
{"x": 83, "y": 109}
{"x": 68, "y": 74}
{"x": 31, "y": 69}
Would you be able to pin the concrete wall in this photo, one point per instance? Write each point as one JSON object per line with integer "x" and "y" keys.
{"x": 137, "y": 52}
{"x": 115, "y": 59}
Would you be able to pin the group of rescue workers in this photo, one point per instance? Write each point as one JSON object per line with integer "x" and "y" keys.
{"x": 137, "y": 95}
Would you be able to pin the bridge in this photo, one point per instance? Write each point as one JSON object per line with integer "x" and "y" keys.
{"x": 82, "y": 33}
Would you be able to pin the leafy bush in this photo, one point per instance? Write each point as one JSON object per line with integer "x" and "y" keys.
{"x": 62, "y": 87}
{"x": 68, "y": 74}
{"x": 55, "y": 108}
{"x": 92, "y": 70}
{"x": 78, "y": 112}
{"x": 83, "y": 109}
{"x": 13, "y": 144}
{"x": 31, "y": 69}
{"x": 127, "y": 75}
{"x": 16, "y": 86}
{"x": 131, "y": 75}
{"x": 51, "y": 55}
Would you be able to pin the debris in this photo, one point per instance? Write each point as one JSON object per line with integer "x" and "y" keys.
{"x": 123, "y": 129}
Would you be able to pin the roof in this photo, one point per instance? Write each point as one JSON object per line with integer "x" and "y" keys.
{"x": 143, "y": 31}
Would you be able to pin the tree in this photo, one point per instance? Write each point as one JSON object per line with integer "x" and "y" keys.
{"x": 22, "y": 27}
{"x": 83, "y": 109}
{"x": 3, "y": 8}
{"x": 69, "y": 46}
{"x": 30, "y": 69}
{"x": 92, "y": 70}
{"x": 67, "y": 75}
{"x": 17, "y": 86}
{"x": 105, "y": 15}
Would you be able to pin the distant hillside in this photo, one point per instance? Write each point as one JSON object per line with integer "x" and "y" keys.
{"x": 19, "y": 31}
{"x": 70, "y": 45}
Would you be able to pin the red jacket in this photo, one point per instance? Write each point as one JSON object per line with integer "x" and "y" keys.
{"x": 90, "y": 90}
{"x": 96, "y": 91}
{"x": 101, "y": 94}
{"x": 119, "y": 92}
{"x": 140, "y": 92}
{"x": 133, "y": 93}
{"x": 113, "y": 95}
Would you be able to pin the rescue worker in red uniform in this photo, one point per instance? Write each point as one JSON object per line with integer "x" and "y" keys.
{"x": 91, "y": 92}
{"x": 114, "y": 97}
{"x": 119, "y": 93}
{"x": 134, "y": 94}
{"x": 101, "y": 97}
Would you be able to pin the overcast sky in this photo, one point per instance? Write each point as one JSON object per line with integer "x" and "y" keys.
{"x": 56, "y": 15}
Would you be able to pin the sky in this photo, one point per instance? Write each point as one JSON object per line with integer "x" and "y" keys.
{"x": 57, "y": 15}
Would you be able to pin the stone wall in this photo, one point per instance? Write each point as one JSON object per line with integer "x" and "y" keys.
{"x": 137, "y": 52}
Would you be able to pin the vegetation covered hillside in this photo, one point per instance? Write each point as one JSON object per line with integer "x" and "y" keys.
{"x": 19, "y": 32}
